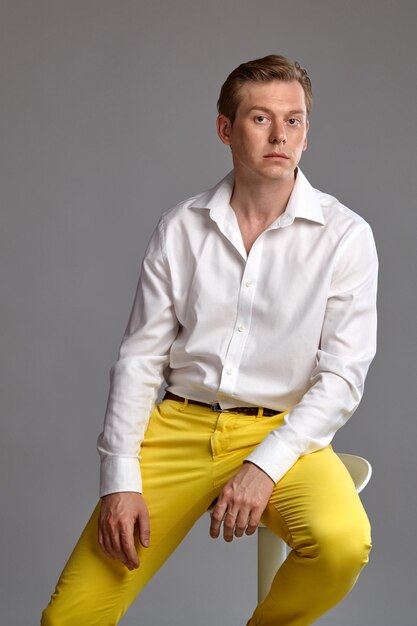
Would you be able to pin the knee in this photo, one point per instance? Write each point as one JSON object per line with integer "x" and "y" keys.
{"x": 348, "y": 551}
{"x": 342, "y": 549}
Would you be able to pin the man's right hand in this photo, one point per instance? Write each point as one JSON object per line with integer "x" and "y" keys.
{"x": 119, "y": 514}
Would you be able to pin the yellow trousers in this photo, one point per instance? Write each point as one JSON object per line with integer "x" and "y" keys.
{"x": 187, "y": 456}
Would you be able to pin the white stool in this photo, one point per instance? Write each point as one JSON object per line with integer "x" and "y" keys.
{"x": 272, "y": 550}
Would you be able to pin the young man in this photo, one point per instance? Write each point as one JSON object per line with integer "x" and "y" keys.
{"x": 257, "y": 299}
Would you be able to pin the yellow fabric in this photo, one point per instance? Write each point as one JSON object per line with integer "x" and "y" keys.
{"x": 188, "y": 454}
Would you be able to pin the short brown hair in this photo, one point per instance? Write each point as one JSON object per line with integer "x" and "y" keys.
{"x": 272, "y": 67}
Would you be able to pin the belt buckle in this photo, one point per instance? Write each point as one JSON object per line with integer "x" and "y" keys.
{"x": 216, "y": 408}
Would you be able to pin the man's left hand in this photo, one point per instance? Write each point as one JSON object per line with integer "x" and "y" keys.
{"x": 241, "y": 503}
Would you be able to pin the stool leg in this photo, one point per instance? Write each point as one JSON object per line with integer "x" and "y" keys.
{"x": 272, "y": 552}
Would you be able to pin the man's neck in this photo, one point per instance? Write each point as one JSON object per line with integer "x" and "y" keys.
{"x": 257, "y": 206}
{"x": 263, "y": 202}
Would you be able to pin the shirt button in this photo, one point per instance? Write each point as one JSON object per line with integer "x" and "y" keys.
{"x": 241, "y": 328}
{"x": 230, "y": 371}
{"x": 247, "y": 283}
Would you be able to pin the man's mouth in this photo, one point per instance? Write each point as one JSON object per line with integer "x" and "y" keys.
{"x": 276, "y": 155}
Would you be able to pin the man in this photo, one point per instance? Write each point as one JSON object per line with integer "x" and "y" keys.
{"x": 257, "y": 299}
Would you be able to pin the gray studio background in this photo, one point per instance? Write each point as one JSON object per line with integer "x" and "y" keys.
{"x": 108, "y": 119}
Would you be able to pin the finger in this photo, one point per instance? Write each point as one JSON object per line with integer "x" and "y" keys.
{"x": 102, "y": 544}
{"x": 107, "y": 544}
{"x": 217, "y": 516}
{"x": 115, "y": 543}
{"x": 253, "y": 523}
{"x": 242, "y": 520}
{"x": 144, "y": 529}
{"x": 229, "y": 525}
{"x": 111, "y": 543}
{"x": 128, "y": 546}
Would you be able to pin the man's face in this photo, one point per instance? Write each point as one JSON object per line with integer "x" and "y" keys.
{"x": 269, "y": 133}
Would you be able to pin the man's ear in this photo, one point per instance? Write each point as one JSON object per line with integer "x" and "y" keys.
{"x": 223, "y": 129}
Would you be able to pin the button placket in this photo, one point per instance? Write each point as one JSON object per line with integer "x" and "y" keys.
{"x": 243, "y": 319}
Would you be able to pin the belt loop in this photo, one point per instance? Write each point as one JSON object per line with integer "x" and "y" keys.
{"x": 185, "y": 403}
{"x": 260, "y": 411}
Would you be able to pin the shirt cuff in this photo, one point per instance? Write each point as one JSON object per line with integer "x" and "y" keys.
{"x": 273, "y": 456}
{"x": 119, "y": 474}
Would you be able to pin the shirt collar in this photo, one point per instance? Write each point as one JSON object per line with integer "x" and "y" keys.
{"x": 303, "y": 201}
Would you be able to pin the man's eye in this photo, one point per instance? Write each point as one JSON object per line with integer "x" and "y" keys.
{"x": 293, "y": 121}
{"x": 261, "y": 119}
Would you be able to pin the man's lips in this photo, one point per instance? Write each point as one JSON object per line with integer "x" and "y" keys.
{"x": 274, "y": 155}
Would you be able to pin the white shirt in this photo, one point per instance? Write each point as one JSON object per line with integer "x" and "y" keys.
{"x": 291, "y": 325}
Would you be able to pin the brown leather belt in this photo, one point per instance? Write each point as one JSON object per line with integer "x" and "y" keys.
{"x": 247, "y": 410}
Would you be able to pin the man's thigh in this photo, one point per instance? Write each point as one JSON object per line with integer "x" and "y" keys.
{"x": 315, "y": 502}
{"x": 94, "y": 590}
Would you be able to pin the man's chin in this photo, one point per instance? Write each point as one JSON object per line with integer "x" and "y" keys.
{"x": 279, "y": 173}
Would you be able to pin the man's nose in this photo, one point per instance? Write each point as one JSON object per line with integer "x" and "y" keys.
{"x": 278, "y": 134}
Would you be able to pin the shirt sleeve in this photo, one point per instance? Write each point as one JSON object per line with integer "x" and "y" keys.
{"x": 137, "y": 375}
{"x": 347, "y": 347}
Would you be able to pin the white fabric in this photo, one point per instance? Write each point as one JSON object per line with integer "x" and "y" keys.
{"x": 291, "y": 325}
